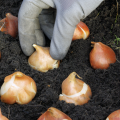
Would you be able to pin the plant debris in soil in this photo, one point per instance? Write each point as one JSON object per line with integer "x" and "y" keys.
{"x": 104, "y": 25}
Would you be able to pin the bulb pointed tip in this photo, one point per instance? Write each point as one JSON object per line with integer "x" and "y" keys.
{"x": 34, "y": 45}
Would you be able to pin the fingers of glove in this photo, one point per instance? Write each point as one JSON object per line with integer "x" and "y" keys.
{"x": 47, "y": 20}
{"x": 49, "y": 2}
{"x": 30, "y": 34}
{"x": 64, "y": 27}
{"x": 40, "y": 39}
{"x": 28, "y": 18}
{"x": 26, "y": 42}
{"x": 48, "y": 30}
{"x": 62, "y": 38}
{"x": 29, "y": 27}
{"x": 29, "y": 10}
{"x": 69, "y": 14}
{"x": 40, "y": 3}
{"x": 47, "y": 16}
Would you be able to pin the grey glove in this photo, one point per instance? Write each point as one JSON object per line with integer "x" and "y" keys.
{"x": 69, "y": 13}
{"x": 47, "y": 21}
{"x": 28, "y": 25}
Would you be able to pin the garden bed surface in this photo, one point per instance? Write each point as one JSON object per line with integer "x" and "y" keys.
{"x": 105, "y": 84}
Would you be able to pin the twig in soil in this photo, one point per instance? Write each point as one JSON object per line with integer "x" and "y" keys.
{"x": 56, "y": 77}
{"x": 117, "y": 12}
{"x": 97, "y": 15}
{"x": 117, "y": 7}
{"x": 8, "y": 112}
{"x": 117, "y": 60}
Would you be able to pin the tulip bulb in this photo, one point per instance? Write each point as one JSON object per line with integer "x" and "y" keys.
{"x": 9, "y": 25}
{"x": 2, "y": 117}
{"x": 114, "y": 115}
{"x": 54, "y": 114}
{"x": 41, "y": 60}
{"x": 81, "y": 31}
{"x": 101, "y": 56}
{"x": 75, "y": 90}
{"x": 18, "y": 88}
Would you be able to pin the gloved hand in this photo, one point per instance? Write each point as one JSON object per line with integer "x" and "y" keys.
{"x": 47, "y": 20}
{"x": 69, "y": 13}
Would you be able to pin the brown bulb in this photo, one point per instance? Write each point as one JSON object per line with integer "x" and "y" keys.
{"x": 75, "y": 90}
{"x": 9, "y": 25}
{"x": 101, "y": 56}
{"x": 114, "y": 115}
{"x": 18, "y": 88}
{"x": 54, "y": 114}
{"x": 81, "y": 31}
{"x": 2, "y": 117}
{"x": 41, "y": 60}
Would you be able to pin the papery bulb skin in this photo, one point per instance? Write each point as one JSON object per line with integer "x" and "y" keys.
{"x": 81, "y": 32}
{"x": 101, "y": 56}
{"x": 18, "y": 88}
{"x": 9, "y": 25}
{"x": 54, "y": 114}
{"x": 114, "y": 115}
{"x": 2, "y": 117}
{"x": 41, "y": 60}
{"x": 75, "y": 90}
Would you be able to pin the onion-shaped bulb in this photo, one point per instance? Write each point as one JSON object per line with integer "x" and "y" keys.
{"x": 54, "y": 114}
{"x": 81, "y": 31}
{"x": 114, "y": 115}
{"x": 41, "y": 60}
{"x": 101, "y": 56}
{"x": 18, "y": 88}
{"x": 75, "y": 90}
{"x": 9, "y": 25}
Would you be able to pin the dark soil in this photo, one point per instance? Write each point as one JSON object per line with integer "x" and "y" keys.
{"x": 105, "y": 84}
